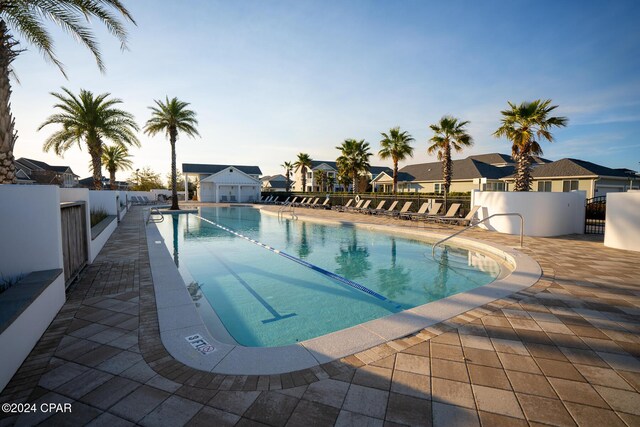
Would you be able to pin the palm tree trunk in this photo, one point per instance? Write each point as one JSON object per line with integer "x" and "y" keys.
{"x": 523, "y": 172}
{"x": 395, "y": 177}
{"x": 173, "y": 136}
{"x": 354, "y": 183}
{"x": 304, "y": 179}
{"x": 112, "y": 179}
{"x": 7, "y": 133}
{"x": 446, "y": 172}
{"x": 95, "y": 151}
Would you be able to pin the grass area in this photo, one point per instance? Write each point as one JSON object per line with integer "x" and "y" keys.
{"x": 97, "y": 216}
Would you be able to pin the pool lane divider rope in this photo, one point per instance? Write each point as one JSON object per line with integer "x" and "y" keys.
{"x": 313, "y": 267}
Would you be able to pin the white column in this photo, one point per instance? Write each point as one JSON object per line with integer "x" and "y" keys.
{"x": 239, "y": 192}
{"x": 186, "y": 187}
{"x": 217, "y": 198}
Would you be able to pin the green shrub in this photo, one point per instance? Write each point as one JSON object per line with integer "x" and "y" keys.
{"x": 97, "y": 215}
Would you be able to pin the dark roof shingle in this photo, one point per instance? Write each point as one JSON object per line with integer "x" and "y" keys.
{"x": 572, "y": 168}
{"x": 212, "y": 169}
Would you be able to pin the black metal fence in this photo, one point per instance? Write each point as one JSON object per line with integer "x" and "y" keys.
{"x": 340, "y": 199}
{"x": 595, "y": 215}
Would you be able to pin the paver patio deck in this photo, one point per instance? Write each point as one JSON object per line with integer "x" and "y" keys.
{"x": 564, "y": 352}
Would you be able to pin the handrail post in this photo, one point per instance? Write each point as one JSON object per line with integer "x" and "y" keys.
{"x": 433, "y": 248}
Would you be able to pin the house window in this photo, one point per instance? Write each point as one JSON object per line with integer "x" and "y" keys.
{"x": 438, "y": 188}
{"x": 544, "y": 186}
{"x": 309, "y": 175}
{"x": 494, "y": 186}
{"x": 570, "y": 185}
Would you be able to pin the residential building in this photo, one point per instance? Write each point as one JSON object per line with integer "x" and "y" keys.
{"x": 224, "y": 183}
{"x": 573, "y": 174}
{"x": 30, "y": 171}
{"x": 274, "y": 183}
{"x": 483, "y": 172}
{"x": 106, "y": 183}
{"x": 331, "y": 170}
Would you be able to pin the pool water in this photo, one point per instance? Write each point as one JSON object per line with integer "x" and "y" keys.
{"x": 264, "y": 299}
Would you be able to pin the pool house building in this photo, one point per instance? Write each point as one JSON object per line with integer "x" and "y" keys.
{"x": 224, "y": 183}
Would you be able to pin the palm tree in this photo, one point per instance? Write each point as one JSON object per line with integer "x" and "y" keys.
{"x": 26, "y": 18}
{"x": 321, "y": 178}
{"x": 395, "y": 145}
{"x": 288, "y": 166}
{"x": 93, "y": 119}
{"x": 303, "y": 163}
{"x": 354, "y": 159}
{"x": 522, "y": 125}
{"x": 172, "y": 117}
{"x": 449, "y": 133}
{"x": 115, "y": 158}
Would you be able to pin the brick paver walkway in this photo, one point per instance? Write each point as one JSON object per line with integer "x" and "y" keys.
{"x": 563, "y": 352}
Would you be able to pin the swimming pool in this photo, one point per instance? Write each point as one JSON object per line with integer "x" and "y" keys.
{"x": 265, "y": 299}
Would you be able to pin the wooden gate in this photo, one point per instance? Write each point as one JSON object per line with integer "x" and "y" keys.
{"x": 594, "y": 216}
{"x": 74, "y": 239}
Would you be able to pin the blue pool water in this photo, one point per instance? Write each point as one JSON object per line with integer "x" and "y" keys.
{"x": 265, "y": 299}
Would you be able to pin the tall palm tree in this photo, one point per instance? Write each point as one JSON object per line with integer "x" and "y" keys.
{"x": 524, "y": 125}
{"x": 321, "y": 179}
{"x": 396, "y": 146}
{"x": 354, "y": 159}
{"x": 26, "y": 18}
{"x": 303, "y": 163}
{"x": 449, "y": 133}
{"x": 115, "y": 158}
{"x": 172, "y": 117}
{"x": 93, "y": 119}
{"x": 288, "y": 166}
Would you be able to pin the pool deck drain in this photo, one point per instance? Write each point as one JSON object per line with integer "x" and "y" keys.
{"x": 563, "y": 352}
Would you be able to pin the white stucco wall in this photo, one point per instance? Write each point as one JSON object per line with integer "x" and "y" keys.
{"x": 105, "y": 199}
{"x": 622, "y": 226}
{"x": 545, "y": 214}
{"x": 30, "y": 229}
{"x": 21, "y": 336}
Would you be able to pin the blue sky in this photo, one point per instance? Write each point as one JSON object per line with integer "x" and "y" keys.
{"x": 271, "y": 79}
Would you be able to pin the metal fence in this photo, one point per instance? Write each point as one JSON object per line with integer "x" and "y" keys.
{"x": 595, "y": 215}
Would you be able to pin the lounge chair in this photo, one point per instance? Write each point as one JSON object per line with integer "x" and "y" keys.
{"x": 353, "y": 208}
{"x": 405, "y": 209}
{"x": 377, "y": 208}
{"x": 341, "y": 208}
{"x": 292, "y": 202}
{"x": 382, "y": 211}
{"x": 146, "y": 201}
{"x": 364, "y": 208}
{"x": 233, "y": 199}
{"x": 451, "y": 213}
{"x": 301, "y": 202}
{"x": 421, "y": 211}
{"x": 462, "y": 221}
{"x": 324, "y": 205}
{"x": 223, "y": 199}
{"x": 311, "y": 203}
{"x": 284, "y": 202}
{"x": 432, "y": 212}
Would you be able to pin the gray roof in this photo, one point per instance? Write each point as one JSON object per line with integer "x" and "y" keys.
{"x": 212, "y": 169}
{"x": 316, "y": 163}
{"x": 574, "y": 167}
{"x": 43, "y": 165}
{"x": 375, "y": 170}
{"x": 499, "y": 158}
{"x": 464, "y": 169}
{"x": 277, "y": 184}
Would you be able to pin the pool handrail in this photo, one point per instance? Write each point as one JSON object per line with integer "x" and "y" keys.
{"x": 439, "y": 242}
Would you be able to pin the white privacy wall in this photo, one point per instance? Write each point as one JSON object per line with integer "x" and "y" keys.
{"x": 622, "y": 226}
{"x": 545, "y": 214}
{"x": 105, "y": 199}
{"x": 30, "y": 229}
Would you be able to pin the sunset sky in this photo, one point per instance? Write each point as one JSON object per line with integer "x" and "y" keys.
{"x": 270, "y": 79}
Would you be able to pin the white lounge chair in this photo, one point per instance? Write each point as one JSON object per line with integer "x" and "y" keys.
{"x": 462, "y": 221}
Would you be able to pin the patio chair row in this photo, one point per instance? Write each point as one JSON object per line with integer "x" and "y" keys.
{"x": 428, "y": 211}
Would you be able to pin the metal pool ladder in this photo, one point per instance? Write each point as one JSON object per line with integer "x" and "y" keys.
{"x": 433, "y": 249}
{"x": 287, "y": 207}
{"x": 155, "y": 211}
